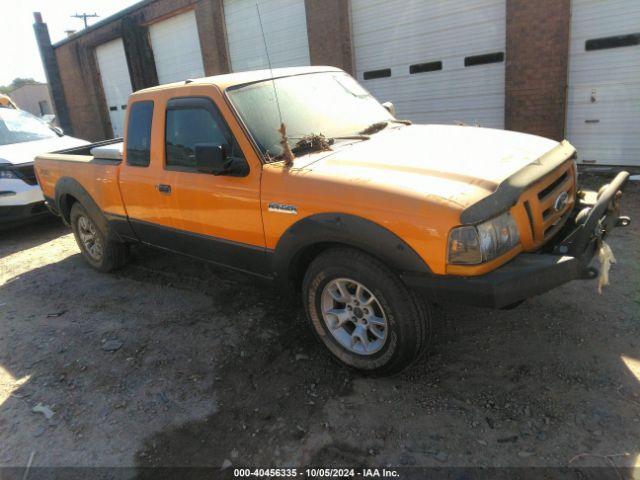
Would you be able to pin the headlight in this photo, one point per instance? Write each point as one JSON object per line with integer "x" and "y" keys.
{"x": 7, "y": 174}
{"x": 480, "y": 243}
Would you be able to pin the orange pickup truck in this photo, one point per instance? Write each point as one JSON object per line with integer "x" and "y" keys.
{"x": 301, "y": 176}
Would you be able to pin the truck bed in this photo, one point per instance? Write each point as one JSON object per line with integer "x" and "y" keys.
{"x": 85, "y": 150}
{"x": 98, "y": 176}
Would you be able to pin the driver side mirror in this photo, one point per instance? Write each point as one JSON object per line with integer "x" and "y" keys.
{"x": 390, "y": 108}
{"x": 213, "y": 159}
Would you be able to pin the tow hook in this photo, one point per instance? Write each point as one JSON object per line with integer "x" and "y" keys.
{"x": 589, "y": 273}
{"x": 623, "y": 221}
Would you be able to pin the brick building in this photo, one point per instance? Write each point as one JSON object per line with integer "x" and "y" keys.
{"x": 558, "y": 68}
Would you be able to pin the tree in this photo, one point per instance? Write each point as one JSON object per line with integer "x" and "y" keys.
{"x": 16, "y": 83}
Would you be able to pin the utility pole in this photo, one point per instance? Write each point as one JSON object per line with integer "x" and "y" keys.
{"x": 84, "y": 17}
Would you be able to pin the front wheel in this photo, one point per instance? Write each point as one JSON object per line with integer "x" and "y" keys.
{"x": 363, "y": 313}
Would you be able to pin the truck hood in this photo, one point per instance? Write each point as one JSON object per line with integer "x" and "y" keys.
{"x": 456, "y": 163}
{"x": 25, "y": 152}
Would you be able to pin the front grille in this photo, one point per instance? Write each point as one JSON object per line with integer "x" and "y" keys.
{"x": 548, "y": 190}
{"x": 540, "y": 203}
{"x": 27, "y": 173}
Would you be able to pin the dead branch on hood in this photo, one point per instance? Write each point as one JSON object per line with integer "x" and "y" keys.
{"x": 287, "y": 154}
{"x": 312, "y": 143}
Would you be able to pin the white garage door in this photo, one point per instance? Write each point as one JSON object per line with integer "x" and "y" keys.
{"x": 285, "y": 30}
{"x": 603, "y": 114}
{"x": 116, "y": 82}
{"x": 438, "y": 61}
{"x": 176, "y": 48}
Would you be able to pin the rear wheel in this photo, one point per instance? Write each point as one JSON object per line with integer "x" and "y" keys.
{"x": 99, "y": 251}
{"x": 363, "y": 313}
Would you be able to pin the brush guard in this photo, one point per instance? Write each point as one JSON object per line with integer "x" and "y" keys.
{"x": 530, "y": 274}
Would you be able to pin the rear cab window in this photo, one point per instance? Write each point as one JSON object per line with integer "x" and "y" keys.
{"x": 139, "y": 134}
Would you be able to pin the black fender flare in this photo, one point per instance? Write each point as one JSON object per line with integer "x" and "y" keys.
{"x": 70, "y": 186}
{"x": 342, "y": 229}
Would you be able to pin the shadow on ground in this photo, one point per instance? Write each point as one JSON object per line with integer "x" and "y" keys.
{"x": 28, "y": 235}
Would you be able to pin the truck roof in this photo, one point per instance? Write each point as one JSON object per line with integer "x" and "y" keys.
{"x": 239, "y": 78}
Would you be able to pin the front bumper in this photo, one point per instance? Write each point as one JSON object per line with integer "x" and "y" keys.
{"x": 530, "y": 274}
{"x": 18, "y": 213}
{"x": 16, "y": 193}
{"x": 19, "y": 201}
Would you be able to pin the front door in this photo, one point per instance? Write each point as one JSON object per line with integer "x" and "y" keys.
{"x": 216, "y": 217}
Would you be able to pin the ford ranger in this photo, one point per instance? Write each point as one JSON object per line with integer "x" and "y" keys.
{"x": 301, "y": 176}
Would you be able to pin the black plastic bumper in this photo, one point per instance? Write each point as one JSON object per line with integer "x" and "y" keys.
{"x": 531, "y": 274}
{"x": 526, "y": 275}
{"x": 19, "y": 213}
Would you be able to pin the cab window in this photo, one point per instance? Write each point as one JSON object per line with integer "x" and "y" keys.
{"x": 189, "y": 122}
{"x": 139, "y": 134}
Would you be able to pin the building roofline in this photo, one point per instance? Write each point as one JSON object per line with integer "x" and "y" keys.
{"x": 103, "y": 22}
{"x": 30, "y": 84}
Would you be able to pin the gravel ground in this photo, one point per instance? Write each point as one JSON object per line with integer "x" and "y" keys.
{"x": 172, "y": 362}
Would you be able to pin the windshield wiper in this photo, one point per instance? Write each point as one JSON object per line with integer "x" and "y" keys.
{"x": 314, "y": 143}
{"x": 374, "y": 128}
{"x": 351, "y": 137}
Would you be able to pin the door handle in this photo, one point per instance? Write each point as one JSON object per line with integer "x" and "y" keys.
{"x": 163, "y": 188}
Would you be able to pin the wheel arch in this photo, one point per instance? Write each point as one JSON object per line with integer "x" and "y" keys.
{"x": 68, "y": 191}
{"x": 307, "y": 238}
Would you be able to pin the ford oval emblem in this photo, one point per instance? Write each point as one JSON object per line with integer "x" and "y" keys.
{"x": 561, "y": 201}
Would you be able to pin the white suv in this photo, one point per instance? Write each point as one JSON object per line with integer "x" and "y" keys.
{"x": 22, "y": 137}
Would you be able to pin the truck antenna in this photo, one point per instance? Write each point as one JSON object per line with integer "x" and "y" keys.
{"x": 287, "y": 154}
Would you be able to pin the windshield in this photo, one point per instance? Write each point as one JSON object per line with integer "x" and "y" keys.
{"x": 332, "y": 104}
{"x": 17, "y": 126}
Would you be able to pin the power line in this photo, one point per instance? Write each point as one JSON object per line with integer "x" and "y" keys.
{"x": 84, "y": 17}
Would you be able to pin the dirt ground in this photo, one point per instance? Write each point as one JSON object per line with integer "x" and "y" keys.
{"x": 173, "y": 362}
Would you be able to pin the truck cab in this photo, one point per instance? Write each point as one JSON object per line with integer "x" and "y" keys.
{"x": 300, "y": 176}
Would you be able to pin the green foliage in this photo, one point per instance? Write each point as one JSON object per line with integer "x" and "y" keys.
{"x": 16, "y": 83}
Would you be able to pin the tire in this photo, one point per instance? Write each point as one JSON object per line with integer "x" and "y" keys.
{"x": 364, "y": 344}
{"x": 101, "y": 252}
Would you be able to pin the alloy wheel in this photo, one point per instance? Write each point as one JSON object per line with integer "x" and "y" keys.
{"x": 354, "y": 316}
{"x": 88, "y": 234}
